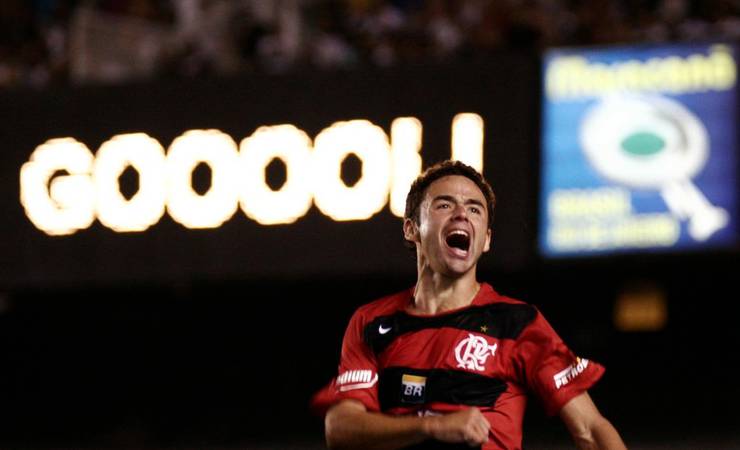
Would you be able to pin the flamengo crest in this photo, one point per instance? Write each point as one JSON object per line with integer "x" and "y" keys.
{"x": 471, "y": 353}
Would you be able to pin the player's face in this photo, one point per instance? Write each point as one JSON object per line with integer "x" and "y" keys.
{"x": 453, "y": 225}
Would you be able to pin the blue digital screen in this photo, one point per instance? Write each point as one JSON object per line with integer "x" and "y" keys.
{"x": 639, "y": 149}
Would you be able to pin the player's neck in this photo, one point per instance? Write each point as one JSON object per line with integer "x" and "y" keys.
{"x": 435, "y": 293}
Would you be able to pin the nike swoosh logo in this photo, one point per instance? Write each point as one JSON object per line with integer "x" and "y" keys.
{"x": 382, "y": 330}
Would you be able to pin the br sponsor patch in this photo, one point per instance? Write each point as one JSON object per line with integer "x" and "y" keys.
{"x": 413, "y": 389}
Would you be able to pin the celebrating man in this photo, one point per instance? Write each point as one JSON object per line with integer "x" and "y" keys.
{"x": 450, "y": 362}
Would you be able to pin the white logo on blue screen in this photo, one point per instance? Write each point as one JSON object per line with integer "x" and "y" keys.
{"x": 653, "y": 143}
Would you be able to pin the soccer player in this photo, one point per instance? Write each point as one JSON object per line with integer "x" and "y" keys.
{"x": 449, "y": 363}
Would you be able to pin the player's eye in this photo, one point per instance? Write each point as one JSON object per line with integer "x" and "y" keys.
{"x": 475, "y": 210}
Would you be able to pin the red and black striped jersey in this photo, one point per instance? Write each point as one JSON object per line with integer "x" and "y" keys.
{"x": 489, "y": 354}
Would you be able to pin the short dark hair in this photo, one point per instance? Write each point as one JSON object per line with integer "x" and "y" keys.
{"x": 443, "y": 169}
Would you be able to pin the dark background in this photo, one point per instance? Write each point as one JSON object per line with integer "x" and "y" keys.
{"x": 218, "y": 338}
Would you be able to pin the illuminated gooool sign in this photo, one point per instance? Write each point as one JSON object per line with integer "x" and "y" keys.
{"x": 64, "y": 187}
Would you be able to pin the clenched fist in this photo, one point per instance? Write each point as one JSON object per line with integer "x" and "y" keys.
{"x": 467, "y": 426}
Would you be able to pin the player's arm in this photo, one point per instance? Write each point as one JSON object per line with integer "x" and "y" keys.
{"x": 350, "y": 426}
{"x": 590, "y": 430}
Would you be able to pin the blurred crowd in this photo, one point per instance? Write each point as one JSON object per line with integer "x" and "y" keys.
{"x": 48, "y": 42}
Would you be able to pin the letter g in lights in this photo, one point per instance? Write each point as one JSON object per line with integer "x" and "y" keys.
{"x": 62, "y": 204}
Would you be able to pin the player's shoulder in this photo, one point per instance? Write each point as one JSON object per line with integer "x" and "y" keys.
{"x": 386, "y": 305}
{"x": 490, "y": 296}
{"x": 509, "y": 312}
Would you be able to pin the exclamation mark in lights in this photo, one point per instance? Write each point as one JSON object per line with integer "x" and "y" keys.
{"x": 467, "y": 140}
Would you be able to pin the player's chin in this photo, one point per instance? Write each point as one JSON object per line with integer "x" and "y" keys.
{"x": 457, "y": 268}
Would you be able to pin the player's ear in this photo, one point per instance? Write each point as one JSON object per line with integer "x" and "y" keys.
{"x": 487, "y": 244}
{"x": 410, "y": 230}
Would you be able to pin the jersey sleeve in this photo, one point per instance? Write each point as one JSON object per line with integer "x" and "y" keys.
{"x": 549, "y": 368}
{"x": 357, "y": 376}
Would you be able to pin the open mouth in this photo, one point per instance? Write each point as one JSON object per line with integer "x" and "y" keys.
{"x": 458, "y": 239}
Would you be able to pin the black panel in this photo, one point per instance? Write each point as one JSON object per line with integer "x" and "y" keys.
{"x": 444, "y": 386}
{"x": 502, "y": 93}
{"x": 498, "y": 320}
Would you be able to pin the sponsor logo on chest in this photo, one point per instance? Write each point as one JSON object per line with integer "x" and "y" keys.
{"x": 472, "y": 352}
{"x": 413, "y": 389}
